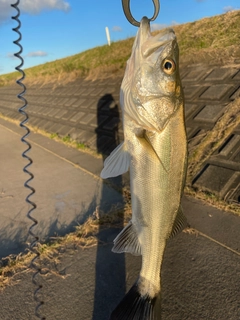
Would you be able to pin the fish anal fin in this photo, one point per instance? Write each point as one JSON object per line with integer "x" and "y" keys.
{"x": 117, "y": 163}
{"x": 180, "y": 223}
{"x": 127, "y": 241}
{"x": 137, "y": 307}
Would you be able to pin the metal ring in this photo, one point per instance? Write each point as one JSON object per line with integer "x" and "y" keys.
{"x": 128, "y": 14}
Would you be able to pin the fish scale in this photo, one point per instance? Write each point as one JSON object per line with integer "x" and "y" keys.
{"x": 155, "y": 152}
{"x": 159, "y": 205}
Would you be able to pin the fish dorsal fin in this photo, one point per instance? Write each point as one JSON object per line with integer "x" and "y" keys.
{"x": 179, "y": 224}
{"x": 127, "y": 241}
{"x": 117, "y": 163}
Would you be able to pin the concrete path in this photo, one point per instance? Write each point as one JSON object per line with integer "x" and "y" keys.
{"x": 66, "y": 192}
{"x": 200, "y": 273}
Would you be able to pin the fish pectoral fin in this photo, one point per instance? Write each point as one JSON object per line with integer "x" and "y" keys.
{"x": 146, "y": 143}
{"x": 117, "y": 163}
{"x": 127, "y": 241}
{"x": 180, "y": 223}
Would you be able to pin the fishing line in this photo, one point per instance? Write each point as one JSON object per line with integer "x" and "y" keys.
{"x": 219, "y": 243}
{"x": 35, "y": 243}
{"x": 197, "y": 232}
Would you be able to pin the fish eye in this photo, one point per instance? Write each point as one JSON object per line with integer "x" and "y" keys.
{"x": 169, "y": 66}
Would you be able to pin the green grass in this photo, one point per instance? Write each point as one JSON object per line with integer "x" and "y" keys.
{"x": 67, "y": 140}
{"x": 73, "y": 143}
{"x": 53, "y": 135}
{"x": 80, "y": 145}
{"x": 209, "y": 39}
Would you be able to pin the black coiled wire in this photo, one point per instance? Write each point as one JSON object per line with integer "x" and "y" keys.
{"x": 34, "y": 244}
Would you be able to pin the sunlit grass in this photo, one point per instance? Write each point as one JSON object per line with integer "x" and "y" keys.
{"x": 209, "y": 39}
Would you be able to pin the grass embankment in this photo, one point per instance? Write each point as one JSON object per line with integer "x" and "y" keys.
{"x": 214, "y": 40}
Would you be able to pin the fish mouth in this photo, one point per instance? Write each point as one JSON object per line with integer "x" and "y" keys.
{"x": 149, "y": 43}
{"x": 147, "y": 53}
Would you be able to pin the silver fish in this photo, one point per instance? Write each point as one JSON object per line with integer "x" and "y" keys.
{"x": 155, "y": 152}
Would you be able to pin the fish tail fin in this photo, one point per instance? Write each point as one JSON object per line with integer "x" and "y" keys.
{"x": 134, "y": 306}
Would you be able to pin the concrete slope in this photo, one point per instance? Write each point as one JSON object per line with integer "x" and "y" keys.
{"x": 90, "y": 113}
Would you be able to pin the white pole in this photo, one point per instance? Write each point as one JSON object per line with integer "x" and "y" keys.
{"x": 108, "y": 36}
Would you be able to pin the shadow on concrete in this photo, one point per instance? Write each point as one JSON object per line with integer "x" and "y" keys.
{"x": 15, "y": 240}
{"x": 107, "y": 124}
{"x": 106, "y": 267}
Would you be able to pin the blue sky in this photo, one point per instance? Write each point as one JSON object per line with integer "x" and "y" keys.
{"x": 53, "y": 29}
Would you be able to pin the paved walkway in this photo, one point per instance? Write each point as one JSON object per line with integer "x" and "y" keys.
{"x": 67, "y": 183}
{"x": 200, "y": 274}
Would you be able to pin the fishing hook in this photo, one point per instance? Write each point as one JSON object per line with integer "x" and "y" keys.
{"x": 128, "y": 14}
{"x": 34, "y": 244}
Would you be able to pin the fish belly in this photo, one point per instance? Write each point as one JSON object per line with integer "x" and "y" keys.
{"x": 156, "y": 189}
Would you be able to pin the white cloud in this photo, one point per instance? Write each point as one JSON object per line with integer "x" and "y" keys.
{"x": 174, "y": 23}
{"x": 117, "y": 29}
{"x": 229, "y": 8}
{"x": 31, "y": 7}
{"x": 11, "y": 56}
{"x": 36, "y": 6}
{"x": 5, "y": 10}
{"x": 37, "y": 54}
{"x": 33, "y": 54}
{"x": 159, "y": 26}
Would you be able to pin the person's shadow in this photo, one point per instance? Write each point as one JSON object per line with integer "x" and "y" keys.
{"x": 110, "y": 284}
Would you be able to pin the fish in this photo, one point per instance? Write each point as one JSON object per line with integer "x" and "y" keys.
{"x": 154, "y": 151}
